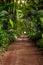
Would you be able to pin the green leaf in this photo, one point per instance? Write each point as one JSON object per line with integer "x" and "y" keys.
{"x": 11, "y": 23}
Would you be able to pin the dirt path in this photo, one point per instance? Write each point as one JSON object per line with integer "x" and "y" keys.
{"x": 22, "y": 52}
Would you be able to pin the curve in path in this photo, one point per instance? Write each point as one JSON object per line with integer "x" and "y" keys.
{"x": 22, "y": 52}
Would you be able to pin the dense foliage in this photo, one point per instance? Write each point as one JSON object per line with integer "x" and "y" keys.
{"x": 34, "y": 17}
{"x": 8, "y": 27}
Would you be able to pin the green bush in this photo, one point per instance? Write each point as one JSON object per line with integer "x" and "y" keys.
{"x": 11, "y": 35}
{"x": 6, "y": 37}
{"x": 40, "y": 43}
{"x": 35, "y": 36}
{"x": 4, "y": 41}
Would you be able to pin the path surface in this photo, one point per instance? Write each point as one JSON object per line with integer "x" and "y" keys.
{"x": 22, "y": 52}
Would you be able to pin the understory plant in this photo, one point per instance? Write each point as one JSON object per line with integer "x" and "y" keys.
{"x": 7, "y": 32}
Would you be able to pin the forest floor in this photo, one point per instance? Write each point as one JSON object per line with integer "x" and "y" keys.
{"x": 22, "y": 52}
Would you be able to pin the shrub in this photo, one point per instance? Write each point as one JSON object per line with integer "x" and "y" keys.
{"x": 40, "y": 43}
{"x": 4, "y": 40}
